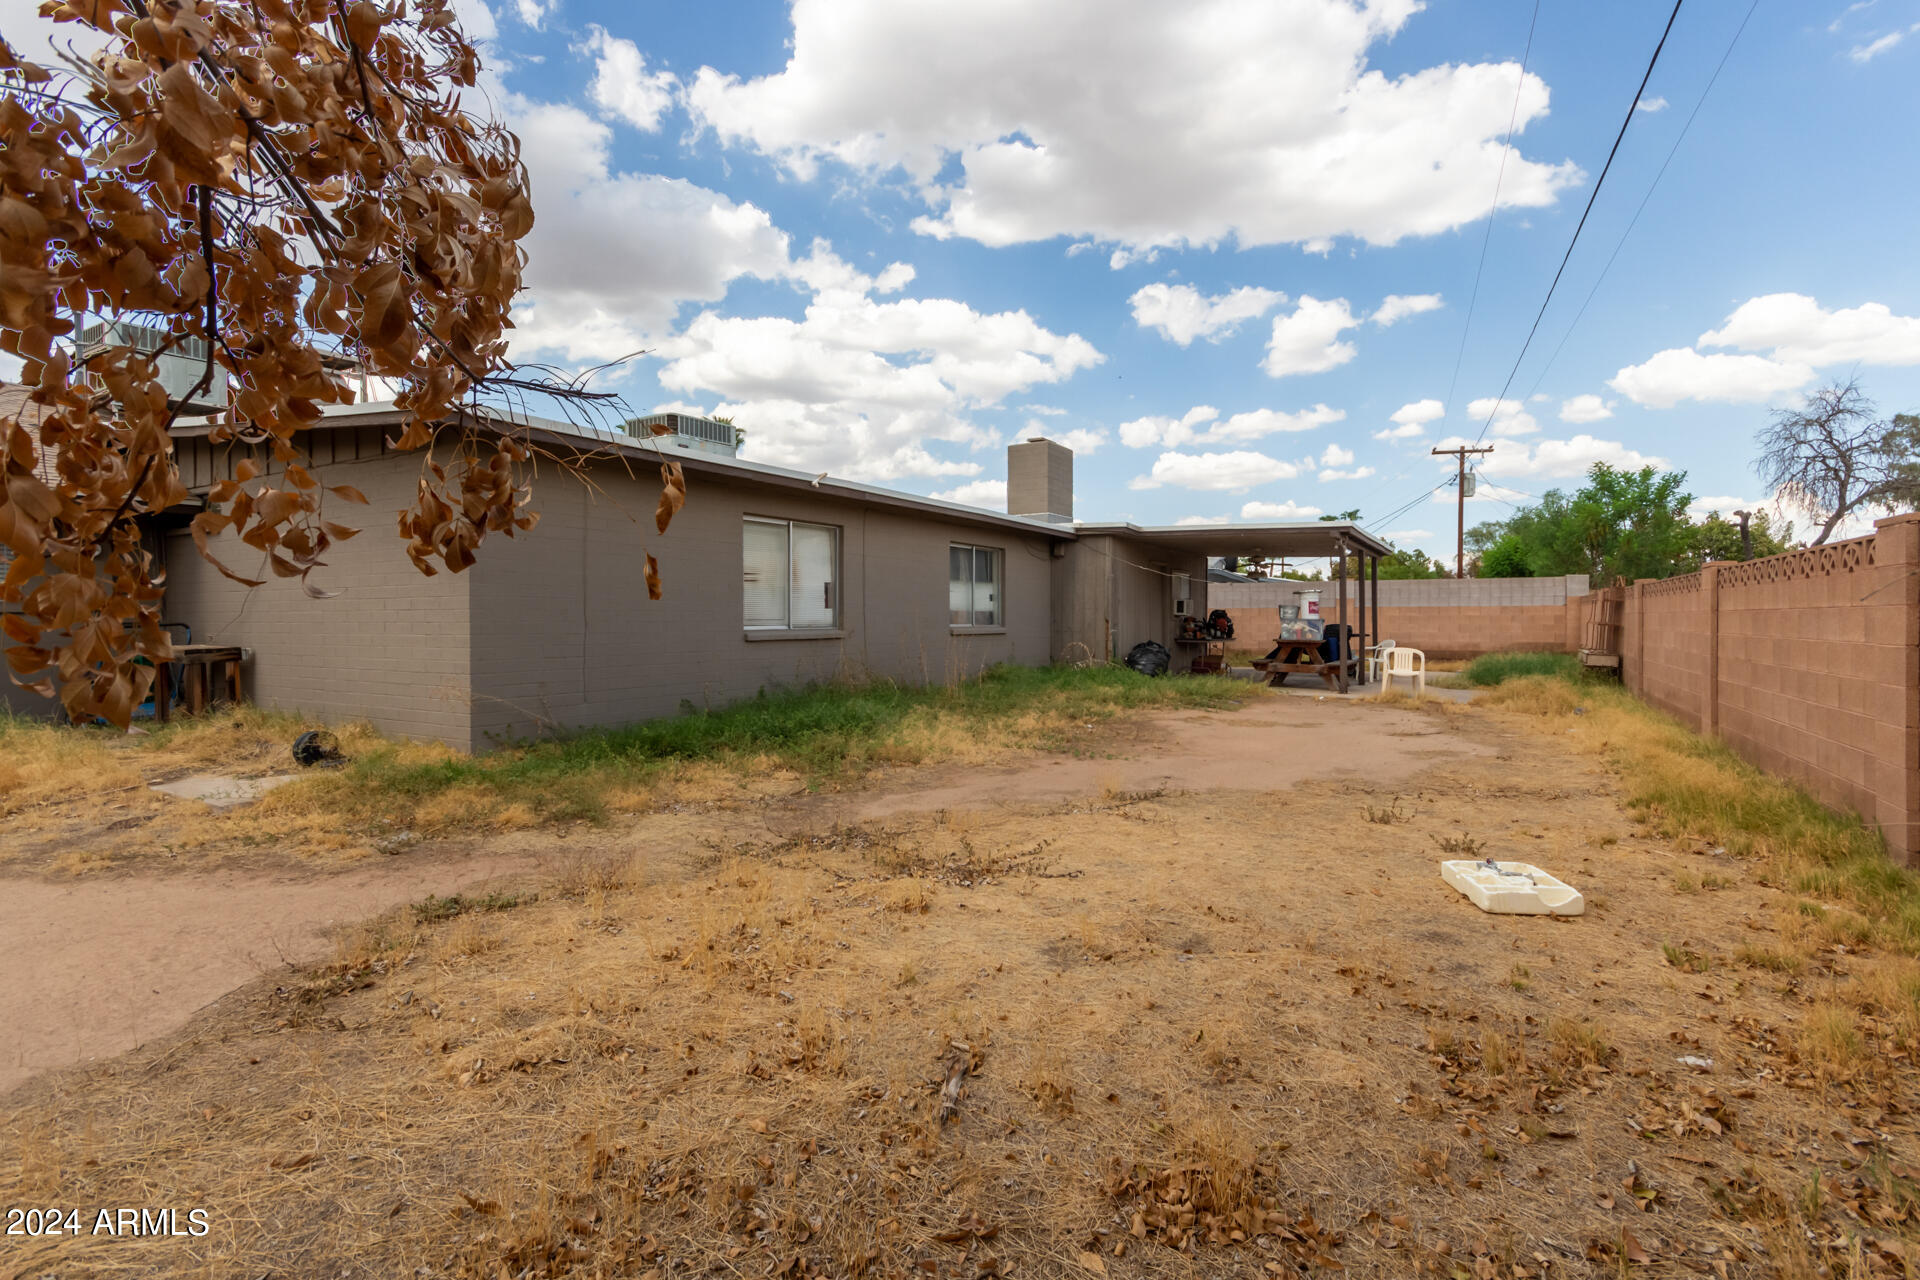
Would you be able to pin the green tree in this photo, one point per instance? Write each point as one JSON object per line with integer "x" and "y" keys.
{"x": 1716, "y": 538}
{"x": 1620, "y": 524}
{"x": 1505, "y": 558}
{"x": 1411, "y": 563}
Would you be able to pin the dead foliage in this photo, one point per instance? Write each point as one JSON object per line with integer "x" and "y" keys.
{"x": 270, "y": 185}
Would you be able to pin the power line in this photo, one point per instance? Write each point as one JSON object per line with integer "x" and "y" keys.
{"x": 1486, "y": 238}
{"x": 1618, "y": 138}
{"x": 1395, "y": 514}
{"x": 1644, "y": 199}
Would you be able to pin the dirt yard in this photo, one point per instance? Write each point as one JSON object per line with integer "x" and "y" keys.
{"x": 1204, "y": 1008}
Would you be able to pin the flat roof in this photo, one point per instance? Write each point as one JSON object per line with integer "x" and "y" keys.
{"x": 1296, "y": 540}
{"x": 373, "y": 413}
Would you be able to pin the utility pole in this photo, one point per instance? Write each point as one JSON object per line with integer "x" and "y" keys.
{"x": 1460, "y": 542}
{"x": 1746, "y": 537}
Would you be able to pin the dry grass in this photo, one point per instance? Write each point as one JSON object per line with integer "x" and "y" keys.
{"x": 54, "y": 779}
{"x": 1185, "y": 1047}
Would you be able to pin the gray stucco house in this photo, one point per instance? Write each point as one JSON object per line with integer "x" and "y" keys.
{"x": 772, "y": 577}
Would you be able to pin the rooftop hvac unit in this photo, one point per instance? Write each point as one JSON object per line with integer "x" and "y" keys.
{"x": 180, "y": 366}
{"x": 691, "y": 429}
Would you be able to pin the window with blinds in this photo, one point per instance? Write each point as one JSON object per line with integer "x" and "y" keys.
{"x": 974, "y": 595}
{"x": 790, "y": 575}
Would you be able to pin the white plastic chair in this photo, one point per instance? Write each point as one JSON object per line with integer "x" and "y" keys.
{"x": 1410, "y": 663}
{"x": 1377, "y": 658}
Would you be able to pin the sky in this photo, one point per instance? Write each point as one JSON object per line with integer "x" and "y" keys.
{"x": 1229, "y": 251}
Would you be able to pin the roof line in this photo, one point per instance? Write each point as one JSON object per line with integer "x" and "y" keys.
{"x": 663, "y": 448}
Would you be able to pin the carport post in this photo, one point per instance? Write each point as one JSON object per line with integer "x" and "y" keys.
{"x": 1346, "y": 641}
{"x": 1376, "y": 609}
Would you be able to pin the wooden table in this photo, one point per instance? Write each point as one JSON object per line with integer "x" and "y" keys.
{"x": 208, "y": 673}
{"x": 1293, "y": 658}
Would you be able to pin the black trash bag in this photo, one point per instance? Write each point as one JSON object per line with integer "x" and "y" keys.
{"x": 1149, "y": 658}
{"x": 317, "y": 747}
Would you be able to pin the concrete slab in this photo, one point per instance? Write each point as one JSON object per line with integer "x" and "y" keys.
{"x": 217, "y": 792}
{"x": 1363, "y": 691}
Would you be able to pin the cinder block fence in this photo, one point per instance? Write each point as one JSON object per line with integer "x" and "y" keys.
{"x": 1442, "y": 617}
{"x": 1806, "y": 664}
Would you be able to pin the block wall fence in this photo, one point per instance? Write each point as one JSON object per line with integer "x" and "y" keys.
{"x": 1806, "y": 664}
{"x": 1444, "y": 618}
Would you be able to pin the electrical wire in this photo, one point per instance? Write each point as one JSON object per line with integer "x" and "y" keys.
{"x": 1486, "y": 237}
{"x": 1632, "y": 109}
{"x": 1644, "y": 199}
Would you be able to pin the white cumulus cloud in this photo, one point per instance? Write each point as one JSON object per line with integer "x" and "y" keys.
{"x": 1555, "y": 459}
{"x": 1581, "y": 410}
{"x": 991, "y": 494}
{"x": 1398, "y": 306}
{"x": 598, "y": 285}
{"x": 1410, "y": 420}
{"x": 1308, "y": 341}
{"x": 1080, "y": 439}
{"x": 1651, "y": 105}
{"x": 1681, "y": 373}
{"x": 1202, "y": 425}
{"x": 1182, "y": 313}
{"x": 1505, "y": 418}
{"x": 1336, "y": 463}
{"x": 1233, "y": 472}
{"x": 1798, "y": 336}
{"x": 1004, "y": 117}
{"x": 622, "y": 85}
{"x": 1192, "y": 521}
{"x": 1796, "y": 329}
{"x": 1279, "y": 511}
{"x": 858, "y": 385}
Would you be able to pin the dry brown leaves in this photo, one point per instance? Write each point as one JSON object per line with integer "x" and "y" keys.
{"x": 1189, "y": 1205}
{"x": 273, "y": 181}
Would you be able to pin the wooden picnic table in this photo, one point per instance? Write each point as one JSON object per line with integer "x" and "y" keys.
{"x": 208, "y": 673}
{"x": 1303, "y": 657}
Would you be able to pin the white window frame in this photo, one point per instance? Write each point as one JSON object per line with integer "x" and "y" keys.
{"x": 833, "y": 585}
{"x": 999, "y": 555}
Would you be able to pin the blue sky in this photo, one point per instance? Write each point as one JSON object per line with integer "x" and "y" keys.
{"x": 890, "y": 237}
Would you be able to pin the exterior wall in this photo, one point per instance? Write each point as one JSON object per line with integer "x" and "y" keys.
{"x": 1445, "y": 618}
{"x": 1111, "y": 593}
{"x": 553, "y": 629}
{"x": 392, "y": 647}
{"x": 564, "y": 635}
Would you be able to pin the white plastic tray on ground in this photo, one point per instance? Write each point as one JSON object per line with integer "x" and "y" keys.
{"x": 1513, "y": 888}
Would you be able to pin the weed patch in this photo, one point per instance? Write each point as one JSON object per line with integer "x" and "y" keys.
{"x": 1684, "y": 786}
{"x": 1493, "y": 669}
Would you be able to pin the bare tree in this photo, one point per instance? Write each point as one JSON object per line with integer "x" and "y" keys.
{"x": 1832, "y": 457}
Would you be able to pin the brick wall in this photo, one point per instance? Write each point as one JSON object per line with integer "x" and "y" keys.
{"x": 1806, "y": 664}
{"x": 1672, "y": 634}
{"x": 1445, "y": 618}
